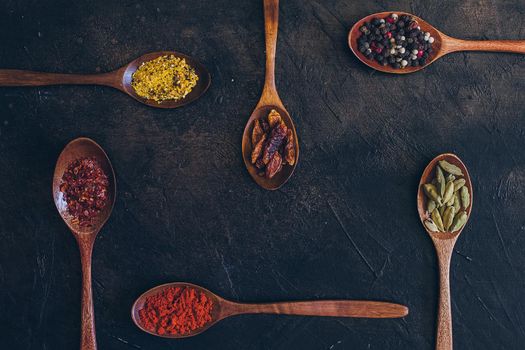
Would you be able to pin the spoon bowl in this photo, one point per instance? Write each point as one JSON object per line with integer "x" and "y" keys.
{"x": 269, "y": 100}
{"x": 119, "y": 79}
{"x": 422, "y": 199}
{"x": 127, "y": 71}
{"x": 442, "y": 45}
{"x": 85, "y": 236}
{"x": 444, "y": 243}
{"x": 217, "y": 312}
{"x": 223, "y": 308}
{"x": 80, "y": 148}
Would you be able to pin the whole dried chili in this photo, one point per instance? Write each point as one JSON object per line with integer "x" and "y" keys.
{"x": 176, "y": 311}
{"x": 85, "y": 188}
{"x": 272, "y": 145}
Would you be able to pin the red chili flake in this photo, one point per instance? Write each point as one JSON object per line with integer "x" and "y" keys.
{"x": 389, "y": 35}
{"x": 85, "y": 188}
{"x": 390, "y": 20}
{"x": 420, "y": 53}
{"x": 378, "y": 50}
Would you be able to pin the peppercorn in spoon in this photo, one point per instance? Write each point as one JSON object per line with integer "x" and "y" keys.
{"x": 444, "y": 241}
{"x": 84, "y": 231}
{"x": 204, "y": 309}
{"x": 120, "y": 79}
{"x": 398, "y": 42}
{"x": 270, "y": 103}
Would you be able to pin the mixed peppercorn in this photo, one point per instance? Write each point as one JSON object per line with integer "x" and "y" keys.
{"x": 396, "y": 40}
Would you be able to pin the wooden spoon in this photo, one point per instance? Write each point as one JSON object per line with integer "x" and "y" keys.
{"x": 223, "y": 308}
{"x": 119, "y": 79}
{"x": 442, "y": 45}
{"x": 444, "y": 244}
{"x": 85, "y": 236}
{"x": 269, "y": 100}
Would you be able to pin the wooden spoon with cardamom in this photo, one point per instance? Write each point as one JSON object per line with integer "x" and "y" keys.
{"x": 442, "y": 45}
{"x": 223, "y": 308}
{"x": 444, "y": 244}
{"x": 119, "y": 79}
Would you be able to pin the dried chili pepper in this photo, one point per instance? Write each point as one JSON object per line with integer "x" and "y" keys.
{"x": 274, "y": 166}
{"x": 257, "y": 133}
{"x": 273, "y": 145}
{"x": 289, "y": 149}
{"x": 257, "y": 150}
{"x": 176, "y": 310}
{"x": 274, "y": 118}
{"x": 274, "y": 142}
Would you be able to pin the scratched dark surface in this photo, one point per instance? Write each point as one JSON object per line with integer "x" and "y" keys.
{"x": 344, "y": 226}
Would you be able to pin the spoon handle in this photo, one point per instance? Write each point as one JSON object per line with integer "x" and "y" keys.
{"x": 271, "y": 27}
{"x": 87, "y": 339}
{"x": 444, "y": 250}
{"x": 516, "y": 46}
{"x": 334, "y": 308}
{"x": 14, "y": 77}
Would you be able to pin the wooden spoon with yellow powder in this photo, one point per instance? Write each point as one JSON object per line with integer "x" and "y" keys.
{"x": 165, "y": 79}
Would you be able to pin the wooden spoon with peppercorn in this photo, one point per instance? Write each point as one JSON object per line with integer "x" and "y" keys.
{"x": 85, "y": 234}
{"x": 444, "y": 244}
{"x": 440, "y": 43}
{"x": 270, "y": 102}
{"x": 119, "y": 79}
{"x": 222, "y": 308}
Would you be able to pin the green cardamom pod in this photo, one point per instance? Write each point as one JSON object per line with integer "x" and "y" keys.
{"x": 432, "y": 192}
{"x": 436, "y": 217}
{"x": 450, "y": 168}
{"x": 450, "y": 203}
{"x": 440, "y": 181}
{"x": 431, "y": 205}
{"x": 449, "y": 192}
{"x": 465, "y": 197}
{"x": 459, "y": 221}
{"x": 448, "y": 217}
{"x": 431, "y": 226}
{"x": 450, "y": 177}
{"x": 458, "y": 184}
{"x": 457, "y": 203}
{"x": 442, "y": 210}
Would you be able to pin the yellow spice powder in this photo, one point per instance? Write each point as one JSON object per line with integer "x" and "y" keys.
{"x": 164, "y": 78}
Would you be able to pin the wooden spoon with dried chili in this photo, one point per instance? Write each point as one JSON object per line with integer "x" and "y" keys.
{"x": 269, "y": 101}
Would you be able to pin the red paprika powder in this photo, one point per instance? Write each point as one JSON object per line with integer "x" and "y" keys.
{"x": 176, "y": 311}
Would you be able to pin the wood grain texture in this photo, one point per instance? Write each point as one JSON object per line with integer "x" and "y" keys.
{"x": 85, "y": 235}
{"x": 444, "y": 243}
{"x": 269, "y": 100}
{"x": 120, "y": 79}
{"x": 223, "y": 308}
{"x": 344, "y": 226}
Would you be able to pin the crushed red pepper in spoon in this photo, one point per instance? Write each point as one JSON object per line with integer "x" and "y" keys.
{"x": 85, "y": 189}
{"x": 176, "y": 311}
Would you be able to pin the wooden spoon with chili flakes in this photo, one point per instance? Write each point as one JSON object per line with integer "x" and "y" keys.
{"x": 223, "y": 308}
{"x": 119, "y": 79}
{"x": 85, "y": 235}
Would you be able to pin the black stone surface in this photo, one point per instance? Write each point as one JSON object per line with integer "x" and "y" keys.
{"x": 345, "y": 226}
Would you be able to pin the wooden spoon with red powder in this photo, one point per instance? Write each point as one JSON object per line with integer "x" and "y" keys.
{"x": 179, "y": 310}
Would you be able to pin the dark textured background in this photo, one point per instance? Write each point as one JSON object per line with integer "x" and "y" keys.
{"x": 344, "y": 226}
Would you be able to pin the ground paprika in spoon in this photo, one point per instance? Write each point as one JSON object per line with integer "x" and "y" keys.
{"x": 176, "y": 311}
